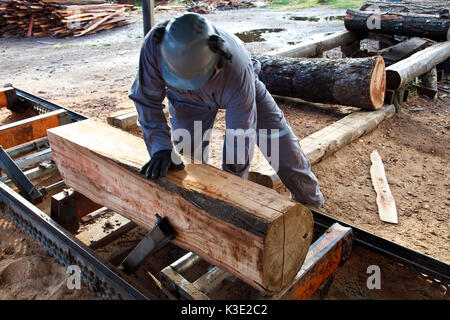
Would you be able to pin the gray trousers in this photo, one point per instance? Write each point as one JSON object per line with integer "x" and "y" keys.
{"x": 293, "y": 167}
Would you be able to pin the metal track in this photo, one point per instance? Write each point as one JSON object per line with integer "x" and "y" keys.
{"x": 65, "y": 248}
{"x": 42, "y": 105}
{"x": 423, "y": 263}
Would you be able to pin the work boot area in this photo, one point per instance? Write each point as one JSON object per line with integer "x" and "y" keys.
{"x": 368, "y": 98}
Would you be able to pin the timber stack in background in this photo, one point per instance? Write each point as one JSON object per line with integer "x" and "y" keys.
{"x": 428, "y": 19}
{"x": 59, "y": 18}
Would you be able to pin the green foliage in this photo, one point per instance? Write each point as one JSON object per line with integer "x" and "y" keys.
{"x": 301, "y": 4}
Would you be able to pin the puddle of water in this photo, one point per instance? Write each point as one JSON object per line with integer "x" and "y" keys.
{"x": 256, "y": 34}
{"x": 316, "y": 19}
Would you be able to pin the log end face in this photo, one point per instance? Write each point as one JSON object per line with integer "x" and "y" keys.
{"x": 286, "y": 244}
{"x": 393, "y": 79}
{"x": 378, "y": 83}
{"x": 298, "y": 226}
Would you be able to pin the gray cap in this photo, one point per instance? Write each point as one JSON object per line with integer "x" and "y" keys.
{"x": 187, "y": 62}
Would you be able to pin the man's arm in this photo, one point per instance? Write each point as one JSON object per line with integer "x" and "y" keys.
{"x": 148, "y": 92}
{"x": 240, "y": 121}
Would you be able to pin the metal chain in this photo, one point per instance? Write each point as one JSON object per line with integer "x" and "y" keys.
{"x": 63, "y": 257}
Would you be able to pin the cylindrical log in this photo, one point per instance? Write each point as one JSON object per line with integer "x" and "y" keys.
{"x": 400, "y": 73}
{"x": 411, "y": 25}
{"x": 315, "y": 47}
{"x": 351, "y": 82}
{"x": 424, "y": 7}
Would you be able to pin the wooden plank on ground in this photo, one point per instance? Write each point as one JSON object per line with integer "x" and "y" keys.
{"x": 327, "y": 141}
{"x": 385, "y": 201}
{"x": 125, "y": 119}
{"x": 32, "y": 128}
{"x": 248, "y": 229}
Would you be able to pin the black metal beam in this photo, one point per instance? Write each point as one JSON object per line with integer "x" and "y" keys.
{"x": 65, "y": 247}
{"x": 423, "y": 263}
{"x": 24, "y": 184}
{"x": 47, "y": 105}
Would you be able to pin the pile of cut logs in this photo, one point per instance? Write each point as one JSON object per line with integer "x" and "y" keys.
{"x": 39, "y": 18}
{"x": 425, "y": 19}
{"x": 203, "y": 7}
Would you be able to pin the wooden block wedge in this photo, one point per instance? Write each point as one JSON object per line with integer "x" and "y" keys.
{"x": 250, "y": 230}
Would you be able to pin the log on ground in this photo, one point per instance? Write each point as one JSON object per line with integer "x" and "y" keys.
{"x": 402, "y": 72}
{"x": 431, "y": 7}
{"x": 402, "y": 24}
{"x": 351, "y": 82}
{"x": 316, "y": 46}
{"x": 248, "y": 229}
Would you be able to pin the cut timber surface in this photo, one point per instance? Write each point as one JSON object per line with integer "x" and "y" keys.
{"x": 327, "y": 141}
{"x": 250, "y": 230}
{"x": 315, "y": 47}
{"x": 350, "y": 82}
{"x": 385, "y": 201}
{"x": 402, "y": 72}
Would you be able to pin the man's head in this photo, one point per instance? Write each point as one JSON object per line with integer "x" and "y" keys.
{"x": 187, "y": 60}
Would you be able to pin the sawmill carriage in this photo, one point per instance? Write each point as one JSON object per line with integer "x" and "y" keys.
{"x": 270, "y": 247}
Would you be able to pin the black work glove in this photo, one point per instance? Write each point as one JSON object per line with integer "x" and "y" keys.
{"x": 159, "y": 164}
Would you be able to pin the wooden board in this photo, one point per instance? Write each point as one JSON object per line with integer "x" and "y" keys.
{"x": 250, "y": 230}
{"x": 7, "y": 97}
{"x": 385, "y": 201}
{"x": 32, "y": 128}
{"x": 105, "y": 230}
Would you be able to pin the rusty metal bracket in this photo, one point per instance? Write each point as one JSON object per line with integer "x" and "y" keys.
{"x": 155, "y": 239}
{"x": 27, "y": 189}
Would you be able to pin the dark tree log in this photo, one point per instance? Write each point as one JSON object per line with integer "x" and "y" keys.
{"x": 414, "y": 7}
{"x": 424, "y": 26}
{"x": 351, "y": 82}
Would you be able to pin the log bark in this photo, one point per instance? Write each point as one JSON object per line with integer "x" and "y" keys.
{"x": 400, "y": 73}
{"x": 250, "y": 230}
{"x": 423, "y": 7}
{"x": 351, "y": 82}
{"x": 315, "y": 47}
{"x": 403, "y": 24}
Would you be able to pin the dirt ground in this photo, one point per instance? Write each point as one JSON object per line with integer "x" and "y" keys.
{"x": 93, "y": 75}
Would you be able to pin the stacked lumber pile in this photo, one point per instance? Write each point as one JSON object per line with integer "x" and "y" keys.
{"x": 39, "y": 18}
{"x": 203, "y": 7}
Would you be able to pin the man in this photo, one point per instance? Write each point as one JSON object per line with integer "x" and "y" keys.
{"x": 202, "y": 69}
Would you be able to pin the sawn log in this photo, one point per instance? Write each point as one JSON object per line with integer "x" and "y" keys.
{"x": 260, "y": 236}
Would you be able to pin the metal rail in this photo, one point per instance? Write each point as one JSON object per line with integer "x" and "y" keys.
{"x": 425, "y": 264}
{"x": 48, "y": 106}
{"x": 65, "y": 247}
{"x": 421, "y": 262}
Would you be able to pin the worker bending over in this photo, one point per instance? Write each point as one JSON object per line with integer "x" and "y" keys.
{"x": 201, "y": 69}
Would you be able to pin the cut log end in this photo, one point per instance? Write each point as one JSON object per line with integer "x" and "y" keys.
{"x": 292, "y": 237}
{"x": 378, "y": 83}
